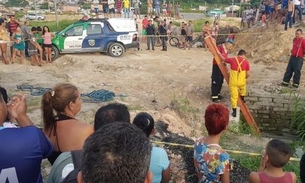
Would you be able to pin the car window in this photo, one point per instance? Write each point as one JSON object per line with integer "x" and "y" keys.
{"x": 94, "y": 29}
{"x": 75, "y": 31}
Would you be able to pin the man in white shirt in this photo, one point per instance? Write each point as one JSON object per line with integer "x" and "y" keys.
{"x": 297, "y": 6}
{"x": 111, "y": 8}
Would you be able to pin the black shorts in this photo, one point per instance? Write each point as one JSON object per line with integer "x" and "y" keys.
{"x": 105, "y": 9}
{"x": 189, "y": 38}
{"x": 111, "y": 10}
{"x": 47, "y": 45}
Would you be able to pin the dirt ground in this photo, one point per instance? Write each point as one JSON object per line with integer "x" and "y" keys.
{"x": 151, "y": 80}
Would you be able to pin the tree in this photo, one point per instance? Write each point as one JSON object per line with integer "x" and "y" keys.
{"x": 44, "y": 6}
{"x": 16, "y": 3}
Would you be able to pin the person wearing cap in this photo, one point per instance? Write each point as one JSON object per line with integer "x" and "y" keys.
{"x": 217, "y": 77}
{"x": 22, "y": 149}
{"x": 159, "y": 162}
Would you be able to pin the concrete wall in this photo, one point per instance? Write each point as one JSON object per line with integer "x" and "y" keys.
{"x": 273, "y": 112}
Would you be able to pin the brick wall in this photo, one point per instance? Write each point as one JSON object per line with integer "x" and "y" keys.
{"x": 273, "y": 112}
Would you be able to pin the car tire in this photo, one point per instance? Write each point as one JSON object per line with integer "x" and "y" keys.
{"x": 116, "y": 50}
{"x": 39, "y": 18}
{"x": 54, "y": 52}
{"x": 173, "y": 41}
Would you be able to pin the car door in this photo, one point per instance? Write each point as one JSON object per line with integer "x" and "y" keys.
{"x": 72, "y": 38}
{"x": 95, "y": 35}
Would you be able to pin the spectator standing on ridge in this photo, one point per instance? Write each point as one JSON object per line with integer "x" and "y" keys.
{"x": 150, "y": 8}
{"x": 96, "y": 6}
{"x": 126, "y": 8}
{"x": 105, "y": 8}
{"x": 177, "y": 10}
{"x": 136, "y": 5}
{"x": 289, "y": 15}
{"x": 157, "y": 7}
{"x": 210, "y": 160}
{"x": 119, "y": 5}
{"x": 297, "y": 6}
{"x": 274, "y": 158}
{"x": 295, "y": 63}
{"x": 111, "y": 10}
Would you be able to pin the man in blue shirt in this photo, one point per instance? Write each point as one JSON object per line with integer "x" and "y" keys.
{"x": 157, "y": 7}
{"x": 22, "y": 149}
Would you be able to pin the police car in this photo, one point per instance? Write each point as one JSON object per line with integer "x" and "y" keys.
{"x": 112, "y": 36}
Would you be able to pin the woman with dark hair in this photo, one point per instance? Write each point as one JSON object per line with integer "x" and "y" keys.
{"x": 47, "y": 42}
{"x": 4, "y": 39}
{"x": 159, "y": 162}
{"x": 211, "y": 161}
{"x": 66, "y": 132}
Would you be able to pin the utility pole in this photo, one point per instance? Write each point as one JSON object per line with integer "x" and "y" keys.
{"x": 232, "y": 7}
{"x": 56, "y": 18}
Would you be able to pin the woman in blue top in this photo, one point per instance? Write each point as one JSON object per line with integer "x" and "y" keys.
{"x": 18, "y": 45}
{"x": 159, "y": 162}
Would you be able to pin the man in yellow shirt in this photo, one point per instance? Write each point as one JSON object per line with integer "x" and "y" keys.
{"x": 126, "y": 7}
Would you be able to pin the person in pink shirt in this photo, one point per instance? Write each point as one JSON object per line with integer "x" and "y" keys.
{"x": 47, "y": 43}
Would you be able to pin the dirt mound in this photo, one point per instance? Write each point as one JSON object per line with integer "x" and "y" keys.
{"x": 271, "y": 45}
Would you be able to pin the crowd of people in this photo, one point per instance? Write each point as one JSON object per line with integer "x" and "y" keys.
{"x": 122, "y": 8}
{"x": 18, "y": 40}
{"x": 80, "y": 152}
{"x": 287, "y": 12}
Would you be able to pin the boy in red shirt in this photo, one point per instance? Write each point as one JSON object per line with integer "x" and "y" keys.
{"x": 275, "y": 157}
{"x": 264, "y": 21}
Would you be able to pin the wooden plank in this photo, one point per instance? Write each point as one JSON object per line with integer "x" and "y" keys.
{"x": 243, "y": 107}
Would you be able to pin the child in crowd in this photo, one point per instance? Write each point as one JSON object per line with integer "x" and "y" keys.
{"x": 264, "y": 21}
{"x": 38, "y": 36}
{"x": 32, "y": 50}
{"x": 18, "y": 45}
{"x": 275, "y": 157}
{"x": 231, "y": 36}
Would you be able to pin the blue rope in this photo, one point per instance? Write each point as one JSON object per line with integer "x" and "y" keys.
{"x": 35, "y": 91}
{"x": 94, "y": 96}
{"x": 99, "y": 96}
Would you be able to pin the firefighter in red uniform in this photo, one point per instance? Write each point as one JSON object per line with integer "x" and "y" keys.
{"x": 217, "y": 77}
{"x": 296, "y": 60}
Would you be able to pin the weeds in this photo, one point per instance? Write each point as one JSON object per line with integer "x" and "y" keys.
{"x": 183, "y": 107}
{"x": 298, "y": 117}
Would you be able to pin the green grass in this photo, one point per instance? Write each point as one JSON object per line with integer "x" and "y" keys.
{"x": 52, "y": 24}
{"x": 196, "y": 23}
